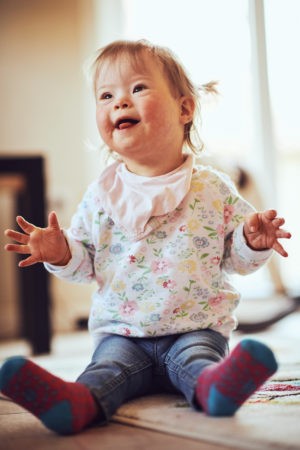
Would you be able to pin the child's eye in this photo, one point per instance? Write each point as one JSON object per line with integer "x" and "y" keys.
{"x": 138, "y": 88}
{"x": 105, "y": 96}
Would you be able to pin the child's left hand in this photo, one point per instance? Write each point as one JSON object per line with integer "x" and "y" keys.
{"x": 263, "y": 229}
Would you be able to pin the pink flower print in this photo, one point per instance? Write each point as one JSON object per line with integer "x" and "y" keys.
{"x": 182, "y": 228}
{"x": 128, "y": 308}
{"x": 215, "y": 260}
{"x": 126, "y": 332}
{"x": 176, "y": 310}
{"x": 220, "y": 230}
{"x": 170, "y": 284}
{"x": 228, "y": 213}
{"x": 217, "y": 300}
{"x": 132, "y": 259}
{"x": 160, "y": 265}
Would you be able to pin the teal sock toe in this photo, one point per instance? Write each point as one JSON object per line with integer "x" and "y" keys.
{"x": 219, "y": 405}
{"x": 59, "y": 418}
{"x": 63, "y": 407}
{"x": 261, "y": 353}
{"x": 9, "y": 368}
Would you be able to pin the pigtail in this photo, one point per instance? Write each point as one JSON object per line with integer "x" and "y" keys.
{"x": 209, "y": 88}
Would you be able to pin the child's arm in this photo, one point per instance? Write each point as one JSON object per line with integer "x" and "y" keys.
{"x": 262, "y": 231}
{"x": 41, "y": 244}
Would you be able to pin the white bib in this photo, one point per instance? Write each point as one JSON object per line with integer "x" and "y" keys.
{"x": 132, "y": 200}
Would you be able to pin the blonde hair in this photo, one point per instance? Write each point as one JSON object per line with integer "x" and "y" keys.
{"x": 179, "y": 82}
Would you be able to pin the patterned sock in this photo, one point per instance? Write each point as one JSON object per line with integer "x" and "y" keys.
{"x": 62, "y": 406}
{"x": 222, "y": 388}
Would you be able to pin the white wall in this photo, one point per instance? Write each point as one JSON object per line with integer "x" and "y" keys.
{"x": 46, "y": 108}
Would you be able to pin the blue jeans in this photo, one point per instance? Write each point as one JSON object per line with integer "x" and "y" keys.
{"x": 124, "y": 368}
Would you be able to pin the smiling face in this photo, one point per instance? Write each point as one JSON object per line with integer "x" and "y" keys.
{"x": 138, "y": 117}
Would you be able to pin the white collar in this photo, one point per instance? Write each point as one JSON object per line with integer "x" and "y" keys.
{"x": 132, "y": 200}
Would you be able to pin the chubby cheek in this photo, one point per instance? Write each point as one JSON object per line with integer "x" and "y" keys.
{"x": 152, "y": 111}
{"x": 160, "y": 115}
{"x": 104, "y": 125}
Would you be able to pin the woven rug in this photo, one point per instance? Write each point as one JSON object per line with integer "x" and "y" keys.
{"x": 269, "y": 420}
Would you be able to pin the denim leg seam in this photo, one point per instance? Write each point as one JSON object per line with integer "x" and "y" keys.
{"x": 108, "y": 388}
{"x": 156, "y": 352}
{"x": 123, "y": 375}
{"x": 173, "y": 367}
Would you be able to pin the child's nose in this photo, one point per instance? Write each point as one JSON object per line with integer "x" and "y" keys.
{"x": 122, "y": 103}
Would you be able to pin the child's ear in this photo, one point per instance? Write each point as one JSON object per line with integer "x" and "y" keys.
{"x": 187, "y": 105}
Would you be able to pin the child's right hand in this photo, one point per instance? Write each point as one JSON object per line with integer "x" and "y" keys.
{"x": 42, "y": 244}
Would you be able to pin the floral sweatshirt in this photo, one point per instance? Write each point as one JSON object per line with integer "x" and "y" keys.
{"x": 160, "y": 250}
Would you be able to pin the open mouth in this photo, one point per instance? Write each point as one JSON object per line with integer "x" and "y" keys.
{"x": 127, "y": 122}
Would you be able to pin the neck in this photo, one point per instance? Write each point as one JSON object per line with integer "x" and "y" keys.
{"x": 155, "y": 168}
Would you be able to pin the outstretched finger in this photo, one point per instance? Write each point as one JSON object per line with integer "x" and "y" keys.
{"x": 26, "y": 226}
{"x": 279, "y": 249}
{"x": 16, "y": 236}
{"x": 270, "y": 214}
{"x": 278, "y": 222}
{"x": 22, "y": 249}
{"x": 27, "y": 262}
{"x": 53, "y": 221}
{"x": 283, "y": 234}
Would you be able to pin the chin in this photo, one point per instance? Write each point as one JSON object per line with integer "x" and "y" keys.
{"x": 128, "y": 151}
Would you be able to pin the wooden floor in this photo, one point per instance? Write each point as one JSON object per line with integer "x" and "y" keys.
{"x": 19, "y": 430}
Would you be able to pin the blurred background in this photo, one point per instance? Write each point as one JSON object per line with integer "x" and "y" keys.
{"x": 47, "y": 110}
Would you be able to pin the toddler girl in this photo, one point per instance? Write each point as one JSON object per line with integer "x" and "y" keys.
{"x": 159, "y": 234}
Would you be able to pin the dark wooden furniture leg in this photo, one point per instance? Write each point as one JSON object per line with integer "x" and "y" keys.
{"x": 34, "y": 280}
